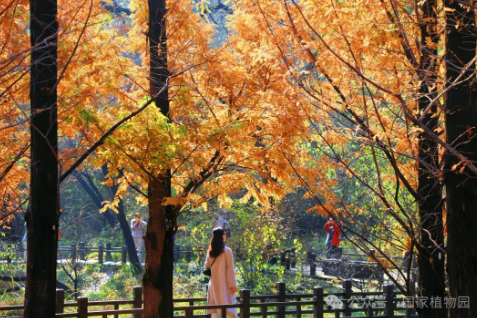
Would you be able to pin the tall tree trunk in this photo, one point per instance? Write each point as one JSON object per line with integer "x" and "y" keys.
{"x": 158, "y": 271}
{"x": 431, "y": 258}
{"x": 461, "y": 185}
{"x": 42, "y": 215}
{"x": 157, "y": 281}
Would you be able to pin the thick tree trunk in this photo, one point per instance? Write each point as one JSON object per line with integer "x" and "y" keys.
{"x": 461, "y": 185}
{"x": 158, "y": 271}
{"x": 42, "y": 216}
{"x": 431, "y": 230}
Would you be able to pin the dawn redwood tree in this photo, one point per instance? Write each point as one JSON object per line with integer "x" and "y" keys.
{"x": 340, "y": 42}
{"x": 43, "y": 213}
{"x": 161, "y": 226}
{"x": 431, "y": 230}
{"x": 203, "y": 134}
{"x": 460, "y": 181}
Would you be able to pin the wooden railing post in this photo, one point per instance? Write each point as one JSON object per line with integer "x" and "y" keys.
{"x": 176, "y": 253}
{"x": 60, "y": 301}
{"x": 283, "y": 258}
{"x": 82, "y": 307}
{"x": 347, "y": 296}
{"x": 298, "y": 308}
{"x": 287, "y": 260}
{"x": 264, "y": 311}
{"x": 388, "y": 292}
{"x": 245, "y": 309}
{"x": 116, "y": 307}
{"x": 124, "y": 252}
{"x": 293, "y": 257}
{"x": 318, "y": 305}
{"x": 188, "y": 256}
{"x": 108, "y": 252}
{"x": 100, "y": 253}
{"x": 73, "y": 252}
{"x": 82, "y": 251}
{"x": 137, "y": 300}
{"x": 281, "y": 292}
{"x": 370, "y": 311}
{"x": 189, "y": 312}
{"x": 312, "y": 260}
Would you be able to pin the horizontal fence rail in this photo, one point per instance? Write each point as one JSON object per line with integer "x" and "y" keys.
{"x": 335, "y": 264}
{"x": 78, "y": 253}
{"x": 385, "y": 304}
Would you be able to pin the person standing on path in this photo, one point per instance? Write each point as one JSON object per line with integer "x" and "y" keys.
{"x": 333, "y": 239}
{"x": 222, "y": 284}
{"x": 137, "y": 228}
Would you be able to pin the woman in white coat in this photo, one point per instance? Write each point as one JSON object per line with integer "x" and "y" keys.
{"x": 222, "y": 284}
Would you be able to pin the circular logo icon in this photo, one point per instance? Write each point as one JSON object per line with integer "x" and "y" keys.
{"x": 334, "y": 302}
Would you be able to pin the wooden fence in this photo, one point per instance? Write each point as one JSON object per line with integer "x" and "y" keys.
{"x": 318, "y": 304}
{"x": 350, "y": 265}
{"x": 81, "y": 251}
{"x": 74, "y": 252}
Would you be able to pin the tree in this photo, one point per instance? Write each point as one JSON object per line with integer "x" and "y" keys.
{"x": 460, "y": 177}
{"x": 204, "y": 133}
{"x": 43, "y": 207}
{"x": 314, "y": 53}
{"x": 52, "y": 83}
{"x": 14, "y": 85}
{"x": 162, "y": 224}
{"x": 363, "y": 118}
{"x": 431, "y": 258}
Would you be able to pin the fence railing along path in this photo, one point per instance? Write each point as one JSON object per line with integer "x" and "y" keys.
{"x": 102, "y": 253}
{"x": 109, "y": 255}
{"x": 346, "y": 304}
{"x": 81, "y": 252}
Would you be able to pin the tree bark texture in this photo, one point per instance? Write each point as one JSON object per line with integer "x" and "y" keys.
{"x": 461, "y": 184}
{"x": 43, "y": 213}
{"x": 431, "y": 229}
{"x": 158, "y": 271}
{"x": 162, "y": 223}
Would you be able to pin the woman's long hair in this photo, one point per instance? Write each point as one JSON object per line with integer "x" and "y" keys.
{"x": 217, "y": 244}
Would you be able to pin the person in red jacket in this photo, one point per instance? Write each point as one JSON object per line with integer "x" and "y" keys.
{"x": 333, "y": 239}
